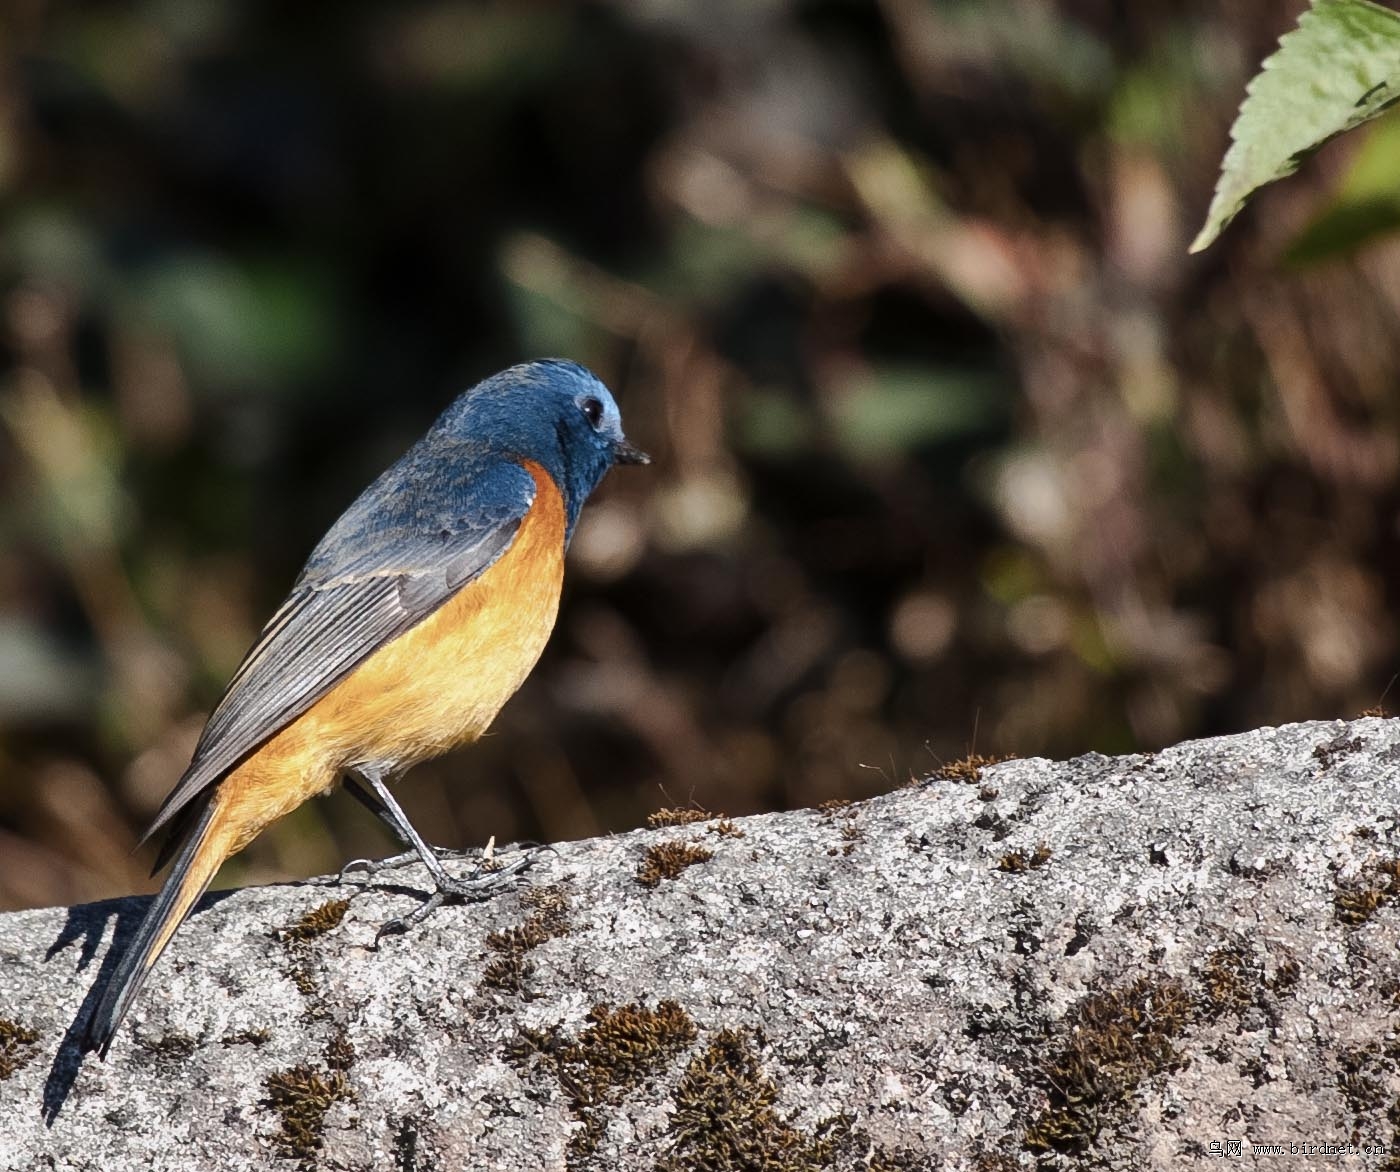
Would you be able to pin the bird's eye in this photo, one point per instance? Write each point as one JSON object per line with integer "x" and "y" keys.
{"x": 593, "y": 411}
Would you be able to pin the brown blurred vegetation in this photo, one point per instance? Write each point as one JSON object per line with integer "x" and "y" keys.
{"x": 957, "y": 448}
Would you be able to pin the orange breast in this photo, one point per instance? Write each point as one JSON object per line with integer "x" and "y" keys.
{"x": 441, "y": 684}
{"x": 432, "y": 689}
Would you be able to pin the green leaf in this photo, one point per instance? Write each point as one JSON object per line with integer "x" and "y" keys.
{"x": 1337, "y": 69}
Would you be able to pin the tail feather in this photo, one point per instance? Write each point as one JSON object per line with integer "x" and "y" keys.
{"x": 195, "y": 866}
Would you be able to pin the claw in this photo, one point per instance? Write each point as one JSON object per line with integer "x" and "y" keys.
{"x": 370, "y": 867}
{"x": 482, "y": 886}
{"x": 401, "y": 924}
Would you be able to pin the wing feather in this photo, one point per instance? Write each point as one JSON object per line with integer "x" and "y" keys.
{"x": 401, "y": 551}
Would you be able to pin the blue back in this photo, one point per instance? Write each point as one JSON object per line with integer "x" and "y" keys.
{"x": 535, "y": 412}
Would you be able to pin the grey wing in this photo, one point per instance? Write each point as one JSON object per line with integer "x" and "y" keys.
{"x": 336, "y": 618}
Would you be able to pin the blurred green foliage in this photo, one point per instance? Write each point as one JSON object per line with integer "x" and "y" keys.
{"x": 957, "y": 448}
{"x": 1365, "y": 205}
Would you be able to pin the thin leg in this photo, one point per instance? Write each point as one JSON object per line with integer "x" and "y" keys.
{"x": 447, "y": 886}
{"x": 367, "y": 798}
{"x": 355, "y": 788}
{"x": 400, "y": 825}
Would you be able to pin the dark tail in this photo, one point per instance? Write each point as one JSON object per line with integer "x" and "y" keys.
{"x": 195, "y": 866}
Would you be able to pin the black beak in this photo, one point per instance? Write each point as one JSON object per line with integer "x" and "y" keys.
{"x": 625, "y": 453}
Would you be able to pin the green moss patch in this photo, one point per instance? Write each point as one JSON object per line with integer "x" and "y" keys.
{"x": 678, "y": 816}
{"x": 1230, "y": 982}
{"x": 1358, "y": 901}
{"x": 318, "y": 921}
{"x": 18, "y": 1047}
{"x": 549, "y": 917}
{"x": 969, "y": 769}
{"x": 726, "y": 1118}
{"x": 1017, "y": 862}
{"x": 1116, "y": 1040}
{"x": 666, "y": 860}
{"x": 303, "y": 1095}
{"x": 297, "y": 940}
{"x": 611, "y": 1056}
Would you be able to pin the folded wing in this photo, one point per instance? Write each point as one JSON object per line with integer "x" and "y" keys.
{"x": 411, "y": 541}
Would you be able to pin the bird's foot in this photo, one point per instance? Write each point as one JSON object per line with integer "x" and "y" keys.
{"x": 369, "y": 867}
{"x": 482, "y": 885}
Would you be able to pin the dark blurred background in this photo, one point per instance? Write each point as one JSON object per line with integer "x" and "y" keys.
{"x": 957, "y": 448}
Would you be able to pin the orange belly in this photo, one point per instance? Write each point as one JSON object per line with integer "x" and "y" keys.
{"x": 436, "y": 687}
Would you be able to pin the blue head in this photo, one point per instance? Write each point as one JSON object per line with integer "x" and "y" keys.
{"x": 553, "y": 412}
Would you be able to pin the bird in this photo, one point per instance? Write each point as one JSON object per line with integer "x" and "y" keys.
{"x": 416, "y": 617}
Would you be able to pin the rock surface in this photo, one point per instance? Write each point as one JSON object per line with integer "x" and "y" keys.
{"x": 1108, "y": 962}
